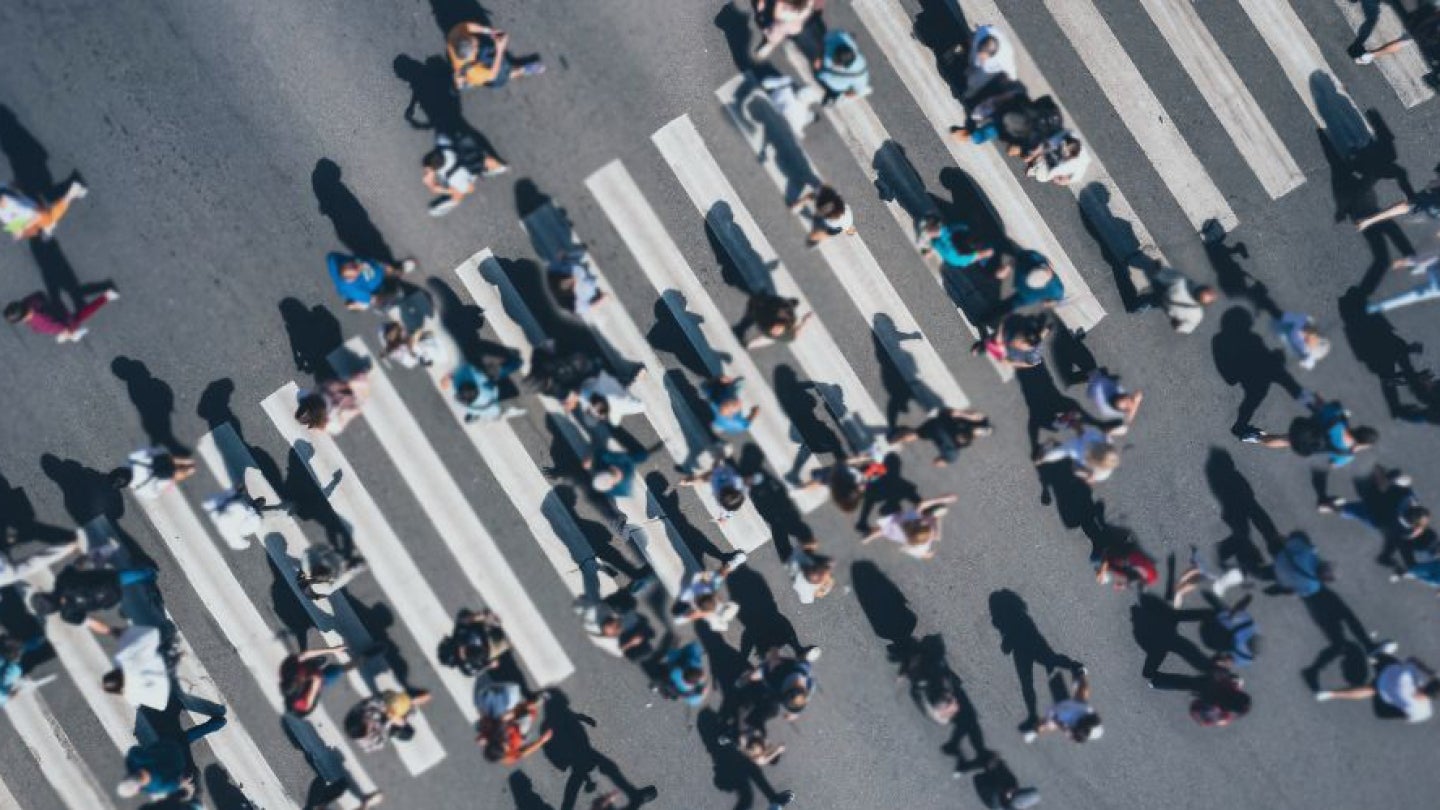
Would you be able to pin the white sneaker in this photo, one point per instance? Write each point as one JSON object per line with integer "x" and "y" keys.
{"x": 1324, "y": 695}
{"x": 77, "y": 190}
{"x": 1226, "y": 581}
{"x": 111, "y": 294}
{"x": 1365, "y": 58}
{"x": 1030, "y": 736}
{"x": 512, "y": 412}
{"x": 408, "y": 266}
{"x": 73, "y": 337}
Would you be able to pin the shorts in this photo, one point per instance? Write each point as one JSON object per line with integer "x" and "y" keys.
{"x": 502, "y": 74}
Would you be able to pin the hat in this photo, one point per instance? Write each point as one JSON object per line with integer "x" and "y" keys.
{"x": 604, "y": 480}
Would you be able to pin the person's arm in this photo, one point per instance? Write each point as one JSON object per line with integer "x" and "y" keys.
{"x": 530, "y": 748}
{"x": 432, "y": 182}
{"x": 943, "y": 500}
{"x": 1104, "y": 571}
{"x": 319, "y": 652}
{"x": 100, "y": 628}
{"x": 1082, "y": 686}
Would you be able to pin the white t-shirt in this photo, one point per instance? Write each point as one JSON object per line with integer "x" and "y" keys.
{"x": 145, "y": 483}
{"x": 805, "y": 590}
{"x": 892, "y": 528}
{"x": 147, "y": 680}
{"x": 16, "y": 211}
{"x": 1003, "y": 60}
{"x": 1185, "y": 312}
{"x": 621, "y": 403}
{"x": 1399, "y": 686}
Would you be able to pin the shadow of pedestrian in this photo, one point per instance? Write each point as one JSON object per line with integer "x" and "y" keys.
{"x": 1373, "y": 339}
{"x": 58, "y": 276}
{"x": 800, "y": 401}
{"x": 1118, "y": 244}
{"x": 464, "y": 323}
{"x": 450, "y": 13}
{"x": 287, "y": 607}
{"x": 223, "y": 791}
{"x": 314, "y": 333}
{"x": 18, "y": 524}
{"x": 380, "y": 620}
{"x": 1240, "y": 511}
{"x": 884, "y": 604}
{"x": 732, "y": 771}
{"x": 897, "y": 179}
{"x": 740, "y": 265}
{"x": 1335, "y": 619}
{"x": 309, "y": 502}
{"x": 29, "y": 162}
{"x": 152, "y": 398}
{"x": 522, "y": 790}
{"x": 1243, "y": 359}
{"x": 1155, "y": 625}
{"x": 1344, "y": 126}
{"x": 434, "y": 102}
{"x": 570, "y": 750}
{"x": 353, "y": 227}
{"x": 1231, "y": 278}
{"x": 887, "y": 494}
{"x": 1021, "y": 639}
{"x": 766, "y": 628}
{"x": 735, "y": 25}
{"x": 772, "y": 501}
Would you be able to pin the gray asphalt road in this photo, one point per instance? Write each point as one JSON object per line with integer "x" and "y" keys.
{"x": 230, "y": 146}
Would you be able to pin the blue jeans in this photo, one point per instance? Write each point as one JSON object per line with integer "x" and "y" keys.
{"x": 205, "y": 729}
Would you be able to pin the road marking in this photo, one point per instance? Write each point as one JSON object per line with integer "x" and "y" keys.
{"x": 1227, "y": 95}
{"x": 229, "y": 460}
{"x": 851, "y": 262}
{"x": 1309, "y": 74}
{"x": 391, "y": 565}
{"x": 1144, "y": 115}
{"x": 684, "y": 435}
{"x": 1406, "y": 70}
{"x": 890, "y": 27}
{"x": 656, "y": 539}
{"x": 454, "y": 518}
{"x": 55, "y": 754}
{"x": 820, "y": 359}
{"x": 704, "y": 325}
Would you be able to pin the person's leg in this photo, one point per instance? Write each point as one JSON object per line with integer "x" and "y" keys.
{"x": 197, "y": 733}
{"x": 88, "y": 311}
{"x": 36, "y": 562}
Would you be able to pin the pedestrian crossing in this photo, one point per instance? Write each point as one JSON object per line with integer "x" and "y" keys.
{"x": 1406, "y": 71}
{"x": 653, "y": 528}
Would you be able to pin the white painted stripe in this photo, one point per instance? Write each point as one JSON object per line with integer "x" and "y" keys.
{"x": 59, "y": 762}
{"x": 1406, "y": 70}
{"x": 858, "y": 273}
{"x": 703, "y": 323}
{"x": 549, "y": 520}
{"x": 1142, "y": 112}
{"x": 655, "y": 539}
{"x": 459, "y": 526}
{"x": 1308, "y": 72}
{"x": 227, "y": 457}
{"x": 81, "y": 655}
{"x": 1217, "y": 81}
{"x": 891, "y": 28}
{"x": 819, "y": 357}
{"x": 394, "y": 570}
{"x": 7, "y": 799}
{"x": 232, "y": 745}
{"x": 682, "y": 432}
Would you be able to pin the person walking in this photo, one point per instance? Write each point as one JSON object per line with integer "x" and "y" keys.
{"x": 480, "y": 57}
{"x": 842, "y": 69}
{"x": 959, "y": 247}
{"x": 333, "y": 404}
{"x": 152, "y": 471}
{"x": 453, "y": 169}
{"x": 142, "y": 673}
{"x": 727, "y": 414}
{"x": 573, "y": 283}
{"x": 812, "y": 575}
{"x": 1060, "y": 159}
{"x": 1405, "y": 688}
{"x": 324, "y": 571}
{"x": 1093, "y": 456}
{"x": 1018, "y": 342}
{"x": 700, "y": 597}
{"x": 685, "y": 676}
{"x": 12, "y": 664}
{"x": 777, "y": 319}
{"x": 990, "y": 62}
{"x": 508, "y": 722}
{"x": 163, "y": 769}
{"x": 848, "y": 479}
{"x": 366, "y": 283}
{"x": 1074, "y": 716}
{"x": 411, "y": 348}
{"x": 1301, "y": 337}
{"x": 1183, "y": 300}
{"x": 727, "y": 486}
{"x": 788, "y": 681}
{"x": 46, "y": 316}
{"x": 24, "y": 217}
{"x": 1423, "y": 207}
{"x": 1325, "y": 430}
{"x": 951, "y": 429}
{"x": 305, "y": 674}
{"x": 603, "y": 399}
{"x": 1114, "y": 405}
{"x": 478, "y": 394}
{"x": 916, "y": 529}
{"x": 476, "y": 645}
{"x": 829, "y": 215}
{"x": 1037, "y": 285}
{"x": 780, "y": 20}
{"x": 382, "y": 716}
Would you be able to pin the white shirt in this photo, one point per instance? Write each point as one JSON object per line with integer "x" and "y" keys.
{"x": 145, "y": 483}
{"x": 621, "y": 403}
{"x": 147, "y": 679}
{"x": 1002, "y": 62}
{"x": 1399, "y": 686}
{"x": 892, "y": 528}
{"x": 805, "y": 590}
{"x": 1185, "y": 312}
{"x": 234, "y": 517}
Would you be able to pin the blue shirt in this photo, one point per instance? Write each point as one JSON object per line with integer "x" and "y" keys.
{"x": 726, "y": 423}
{"x": 487, "y": 402}
{"x": 1054, "y": 290}
{"x": 946, "y": 246}
{"x": 1297, "y": 567}
{"x": 839, "y": 79}
{"x": 362, "y": 287}
{"x": 625, "y": 463}
{"x": 691, "y": 656}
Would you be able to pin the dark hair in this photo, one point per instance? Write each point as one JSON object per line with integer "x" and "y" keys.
{"x": 1083, "y": 727}
{"x": 828, "y": 202}
{"x": 43, "y": 604}
{"x": 15, "y": 311}
{"x": 1365, "y": 435}
{"x": 312, "y": 412}
{"x": 1432, "y": 688}
{"x": 467, "y": 392}
{"x": 692, "y": 675}
{"x": 845, "y": 490}
{"x": 120, "y": 477}
{"x": 394, "y": 335}
{"x": 1234, "y": 701}
{"x": 1415, "y": 514}
{"x": 600, "y": 404}
{"x": 989, "y": 45}
{"x": 433, "y": 160}
{"x": 467, "y": 48}
{"x": 707, "y": 601}
{"x": 113, "y": 681}
{"x": 731, "y": 499}
{"x": 844, "y": 55}
{"x": 795, "y": 699}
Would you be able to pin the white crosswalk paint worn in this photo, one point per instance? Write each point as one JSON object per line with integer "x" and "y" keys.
{"x": 1144, "y": 115}
{"x": 684, "y": 436}
{"x": 1306, "y": 69}
{"x": 819, "y": 357}
{"x": 646, "y": 525}
{"x": 459, "y": 526}
{"x": 856, "y": 269}
{"x": 405, "y": 586}
{"x": 1234, "y": 107}
{"x": 704, "y": 325}
{"x": 1405, "y": 70}
{"x": 55, "y": 754}
{"x": 891, "y": 27}
{"x": 229, "y": 460}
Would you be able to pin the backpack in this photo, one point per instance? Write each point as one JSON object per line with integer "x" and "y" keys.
{"x": 1045, "y": 117}
{"x": 1297, "y": 567}
{"x": 1307, "y": 436}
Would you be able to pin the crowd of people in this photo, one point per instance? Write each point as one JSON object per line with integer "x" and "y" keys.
{"x": 1017, "y": 326}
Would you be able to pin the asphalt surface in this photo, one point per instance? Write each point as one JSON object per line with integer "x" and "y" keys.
{"x": 229, "y": 146}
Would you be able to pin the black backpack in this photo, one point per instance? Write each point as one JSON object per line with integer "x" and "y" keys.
{"x": 1045, "y": 117}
